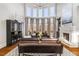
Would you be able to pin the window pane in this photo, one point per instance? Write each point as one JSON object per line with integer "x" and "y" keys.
{"x": 28, "y": 11}
{"x": 40, "y": 12}
{"x": 34, "y": 12}
{"x": 45, "y": 12}
{"x": 52, "y": 11}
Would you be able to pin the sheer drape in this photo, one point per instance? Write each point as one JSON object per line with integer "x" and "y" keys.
{"x": 40, "y": 24}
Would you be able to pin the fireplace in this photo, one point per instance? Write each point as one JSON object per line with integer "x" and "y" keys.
{"x": 66, "y": 36}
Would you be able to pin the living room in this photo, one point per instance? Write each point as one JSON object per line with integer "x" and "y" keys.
{"x": 42, "y": 24}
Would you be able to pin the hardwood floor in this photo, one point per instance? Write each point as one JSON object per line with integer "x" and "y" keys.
{"x": 6, "y": 50}
{"x": 73, "y": 50}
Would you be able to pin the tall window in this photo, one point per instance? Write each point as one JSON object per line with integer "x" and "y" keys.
{"x": 46, "y": 12}
{"x": 28, "y": 11}
{"x": 34, "y": 12}
{"x": 40, "y": 12}
{"x": 39, "y": 19}
{"x": 52, "y": 11}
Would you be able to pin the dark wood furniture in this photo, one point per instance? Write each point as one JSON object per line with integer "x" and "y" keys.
{"x": 59, "y": 25}
{"x": 46, "y": 46}
{"x": 13, "y": 31}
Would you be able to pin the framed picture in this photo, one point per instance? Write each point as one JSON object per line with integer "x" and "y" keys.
{"x": 67, "y": 13}
{"x": 66, "y": 21}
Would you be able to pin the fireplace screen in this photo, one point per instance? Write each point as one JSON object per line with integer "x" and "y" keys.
{"x": 66, "y": 36}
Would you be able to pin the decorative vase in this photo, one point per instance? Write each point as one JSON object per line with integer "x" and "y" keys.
{"x": 39, "y": 41}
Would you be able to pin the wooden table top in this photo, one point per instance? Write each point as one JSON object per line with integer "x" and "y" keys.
{"x": 40, "y": 43}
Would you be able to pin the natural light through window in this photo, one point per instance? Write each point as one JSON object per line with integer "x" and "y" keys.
{"x": 40, "y": 11}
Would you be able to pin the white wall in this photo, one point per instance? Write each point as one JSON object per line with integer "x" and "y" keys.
{"x": 77, "y": 21}
{"x": 72, "y": 29}
{"x": 59, "y": 10}
{"x": 9, "y": 11}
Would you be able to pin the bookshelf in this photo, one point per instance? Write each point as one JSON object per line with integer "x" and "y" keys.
{"x": 14, "y": 31}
